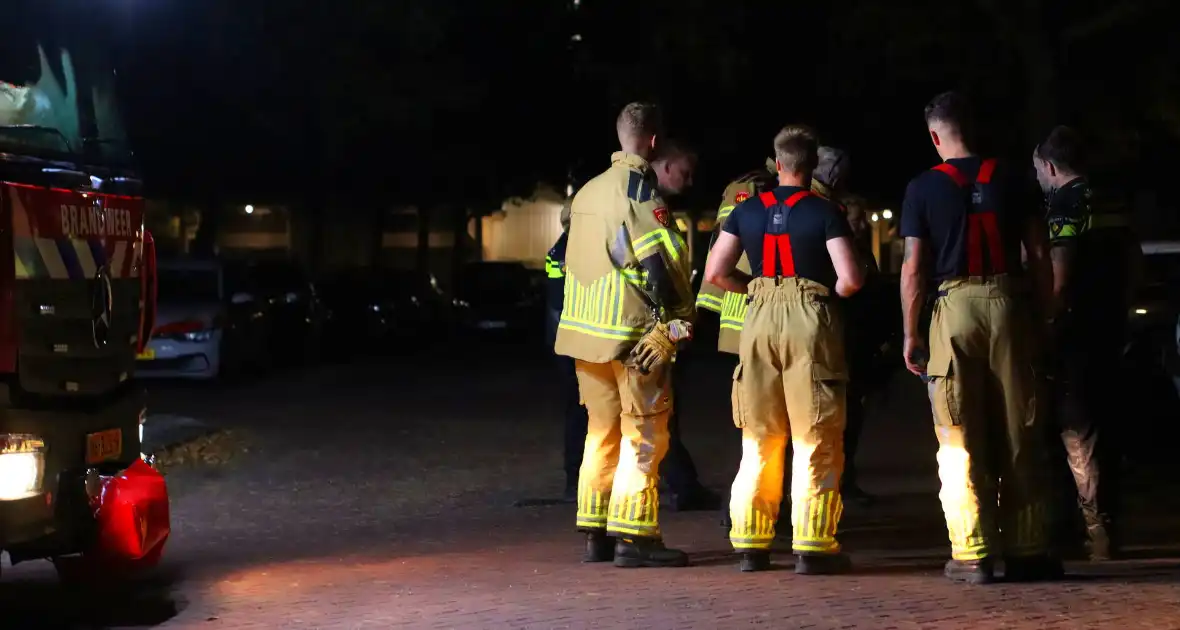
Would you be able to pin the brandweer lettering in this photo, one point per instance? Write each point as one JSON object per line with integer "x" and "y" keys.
{"x": 86, "y": 221}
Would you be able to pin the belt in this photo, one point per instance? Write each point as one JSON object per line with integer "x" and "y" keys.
{"x": 823, "y": 299}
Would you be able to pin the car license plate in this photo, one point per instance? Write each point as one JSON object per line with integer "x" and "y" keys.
{"x": 489, "y": 325}
{"x": 147, "y": 355}
{"x": 104, "y": 446}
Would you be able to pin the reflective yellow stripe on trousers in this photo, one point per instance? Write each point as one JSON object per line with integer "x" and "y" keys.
{"x": 592, "y": 509}
{"x": 814, "y": 521}
{"x": 637, "y": 515}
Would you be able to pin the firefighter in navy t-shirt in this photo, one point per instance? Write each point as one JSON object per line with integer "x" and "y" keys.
{"x": 791, "y": 376}
{"x": 963, "y": 227}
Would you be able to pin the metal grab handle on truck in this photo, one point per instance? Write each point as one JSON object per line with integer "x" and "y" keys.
{"x": 149, "y": 290}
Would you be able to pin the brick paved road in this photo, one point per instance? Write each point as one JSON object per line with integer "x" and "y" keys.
{"x": 380, "y": 496}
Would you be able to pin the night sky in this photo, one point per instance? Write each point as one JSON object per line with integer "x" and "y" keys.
{"x": 463, "y": 102}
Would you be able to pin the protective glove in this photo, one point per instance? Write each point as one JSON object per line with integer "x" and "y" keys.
{"x": 657, "y": 346}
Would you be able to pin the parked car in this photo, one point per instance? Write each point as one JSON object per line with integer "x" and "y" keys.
{"x": 375, "y": 309}
{"x": 204, "y": 329}
{"x": 505, "y": 297}
{"x": 1157, "y": 304}
{"x": 291, "y": 304}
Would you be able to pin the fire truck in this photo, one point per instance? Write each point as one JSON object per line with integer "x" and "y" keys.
{"x": 77, "y": 300}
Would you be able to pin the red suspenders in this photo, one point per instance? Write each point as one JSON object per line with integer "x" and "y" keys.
{"x": 779, "y": 244}
{"x": 981, "y": 224}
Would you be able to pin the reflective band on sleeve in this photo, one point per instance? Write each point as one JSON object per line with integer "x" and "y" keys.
{"x": 710, "y": 302}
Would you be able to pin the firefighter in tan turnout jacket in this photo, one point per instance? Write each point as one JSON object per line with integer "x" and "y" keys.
{"x": 732, "y": 306}
{"x": 628, "y": 300}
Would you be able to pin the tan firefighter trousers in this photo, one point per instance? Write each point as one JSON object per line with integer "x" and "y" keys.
{"x": 789, "y": 383}
{"x": 982, "y": 392}
{"x": 627, "y": 437}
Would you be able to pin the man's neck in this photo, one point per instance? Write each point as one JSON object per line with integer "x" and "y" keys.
{"x": 643, "y": 151}
{"x": 1066, "y": 180}
{"x": 793, "y": 179}
{"x": 954, "y": 152}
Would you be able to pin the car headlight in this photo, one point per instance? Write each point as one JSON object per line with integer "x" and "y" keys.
{"x": 22, "y": 465}
{"x": 197, "y": 335}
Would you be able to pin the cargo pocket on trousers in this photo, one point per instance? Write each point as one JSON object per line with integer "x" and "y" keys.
{"x": 943, "y": 390}
{"x": 648, "y": 394}
{"x": 735, "y": 398}
{"x": 828, "y": 391}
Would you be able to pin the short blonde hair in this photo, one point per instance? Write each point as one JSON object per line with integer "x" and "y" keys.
{"x": 796, "y": 149}
{"x": 639, "y": 120}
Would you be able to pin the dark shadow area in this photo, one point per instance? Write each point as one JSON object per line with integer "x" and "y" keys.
{"x": 143, "y": 602}
{"x": 1155, "y": 573}
{"x": 1151, "y": 553}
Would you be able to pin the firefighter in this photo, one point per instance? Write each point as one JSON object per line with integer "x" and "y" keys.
{"x": 963, "y": 228}
{"x": 628, "y": 301}
{"x": 790, "y": 377}
{"x": 861, "y": 335}
{"x": 731, "y": 307}
{"x": 674, "y": 168}
{"x": 572, "y": 409}
{"x": 829, "y": 175}
{"x": 1092, "y": 251}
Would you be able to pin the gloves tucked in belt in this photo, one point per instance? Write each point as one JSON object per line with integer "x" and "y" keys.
{"x": 658, "y": 345}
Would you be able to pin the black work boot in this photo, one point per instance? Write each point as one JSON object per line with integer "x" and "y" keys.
{"x": 822, "y": 564}
{"x": 755, "y": 561}
{"x": 647, "y": 552}
{"x": 1033, "y": 569}
{"x": 599, "y": 547}
{"x": 970, "y": 571}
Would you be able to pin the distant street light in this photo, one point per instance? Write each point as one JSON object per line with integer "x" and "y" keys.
{"x": 887, "y": 214}
{"x": 875, "y": 217}
{"x": 569, "y": 190}
{"x": 249, "y": 209}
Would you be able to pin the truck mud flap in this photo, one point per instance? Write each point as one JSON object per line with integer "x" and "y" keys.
{"x": 132, "y": 523}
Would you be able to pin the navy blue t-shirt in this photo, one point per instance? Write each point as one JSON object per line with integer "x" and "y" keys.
{"x": 811, "y": 223}
{"x": 936, "y": 210}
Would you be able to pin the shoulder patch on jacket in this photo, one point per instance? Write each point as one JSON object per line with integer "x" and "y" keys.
{"x": 639, "y": 189}
{"x": 661, "y": 215}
